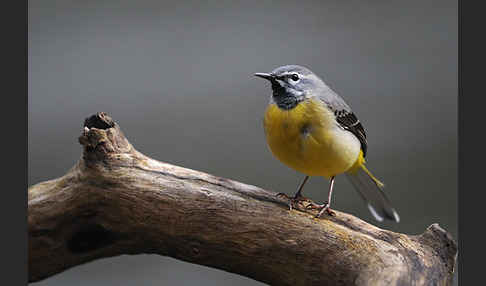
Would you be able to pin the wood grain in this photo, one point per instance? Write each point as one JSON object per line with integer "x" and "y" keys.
{"x": 116, "y": 200}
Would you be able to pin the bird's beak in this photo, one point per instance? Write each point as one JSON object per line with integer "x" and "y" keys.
{"x": 266, "y": 76}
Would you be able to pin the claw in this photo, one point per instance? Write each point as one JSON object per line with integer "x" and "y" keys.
{"x": 322, "y": 208}
{"x": 327, "y": 210}
{"x": 314, "y": 206}
{"x": 293, "y": 201}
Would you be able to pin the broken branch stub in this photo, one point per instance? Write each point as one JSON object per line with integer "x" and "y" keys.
{"x": 116, "y": 200}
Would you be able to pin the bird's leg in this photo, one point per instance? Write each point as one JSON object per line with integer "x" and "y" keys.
{"x": 297, "y": 197}
{"x": 326, "y": 206}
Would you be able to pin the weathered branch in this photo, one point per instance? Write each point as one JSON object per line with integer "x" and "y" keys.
{"x": 117, "y": 201}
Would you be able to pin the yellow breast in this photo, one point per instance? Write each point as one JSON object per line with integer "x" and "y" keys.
{"x": 308, "y": 139}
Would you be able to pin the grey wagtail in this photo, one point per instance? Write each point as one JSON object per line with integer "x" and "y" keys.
{"x": 311, "y": 129}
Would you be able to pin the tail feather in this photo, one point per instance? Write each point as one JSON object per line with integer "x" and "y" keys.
{"x": 371, "y": 191}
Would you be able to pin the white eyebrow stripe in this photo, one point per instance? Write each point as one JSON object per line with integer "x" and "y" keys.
{"x": 290, "y": 73}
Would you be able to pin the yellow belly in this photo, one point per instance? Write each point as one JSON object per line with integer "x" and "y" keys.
{"x": 307, "y": 139}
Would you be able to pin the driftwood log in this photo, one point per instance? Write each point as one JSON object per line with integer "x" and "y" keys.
{"x": 116, "y": 201}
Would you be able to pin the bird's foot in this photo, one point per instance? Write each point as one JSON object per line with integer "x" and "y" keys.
{"x": 325, "y": 207}
{"x": 294, "y": 201}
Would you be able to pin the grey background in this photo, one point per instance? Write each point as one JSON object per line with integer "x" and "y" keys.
{"x": 177, "y": 77}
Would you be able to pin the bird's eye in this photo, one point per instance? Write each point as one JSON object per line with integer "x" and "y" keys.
{"x": 295, "y": 77}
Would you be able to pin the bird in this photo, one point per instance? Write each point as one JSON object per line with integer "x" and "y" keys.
{"x": 311, "y": 129}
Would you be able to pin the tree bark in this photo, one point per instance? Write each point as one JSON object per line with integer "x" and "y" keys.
{"x": 116, "y": 200}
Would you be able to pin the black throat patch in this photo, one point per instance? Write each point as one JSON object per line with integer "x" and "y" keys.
{"x": 286, "y": 102}
{"x": 283, "y": 99}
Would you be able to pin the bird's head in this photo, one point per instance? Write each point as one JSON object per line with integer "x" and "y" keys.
{"x": 292, "y": 84}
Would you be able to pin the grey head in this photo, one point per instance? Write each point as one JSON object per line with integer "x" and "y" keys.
{"x": 292, "y": 84}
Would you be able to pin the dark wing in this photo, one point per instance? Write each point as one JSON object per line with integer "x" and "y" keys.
{"x": 350, "y": 122}
{"x": 344, "y": 115}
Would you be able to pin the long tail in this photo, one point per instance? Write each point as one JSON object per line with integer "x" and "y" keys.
{"x": 371, "y": 190}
